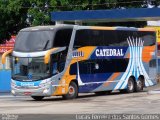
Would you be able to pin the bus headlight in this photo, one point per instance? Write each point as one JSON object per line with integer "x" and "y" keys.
{"x": 13, "y": 92}
{"x": 45, "y": 91}
{"x": 13, "y": 84}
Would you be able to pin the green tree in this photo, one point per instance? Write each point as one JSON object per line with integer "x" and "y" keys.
{"x": 13, "y": 17}
{"x": 17, "y": 14}
{"x": 39, "y": 12}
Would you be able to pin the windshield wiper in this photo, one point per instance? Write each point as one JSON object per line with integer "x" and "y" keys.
{"x": 46, "y": 45}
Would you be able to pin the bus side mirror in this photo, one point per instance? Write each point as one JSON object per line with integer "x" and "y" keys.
{"x": 5, "y": 55}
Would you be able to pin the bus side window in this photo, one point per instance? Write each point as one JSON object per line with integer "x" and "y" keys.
{"x": 62, "y": 38}
{"x": 152, "y": 63}
{"x": 54, "y": 60}
{"x": 55, "y": 70}
{"x": 73, "y": 69}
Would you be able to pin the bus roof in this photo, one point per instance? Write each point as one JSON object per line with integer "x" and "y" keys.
{"x": 49, "y": 27}
{"x": 61, "y": 26}
{"x": 116, "y": 28}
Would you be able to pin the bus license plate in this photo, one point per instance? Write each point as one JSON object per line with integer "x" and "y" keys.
{"x": 27, "y": 93}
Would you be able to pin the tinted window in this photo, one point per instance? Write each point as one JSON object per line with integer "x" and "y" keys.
{"x": 58, "y": 61}
{"x": 62, "y": 37}
{"x": 111, "y": 37}
{"x": 29, "y": 41}
{"x": 100, "y": 66}
{"x": 73, "y": 69}
{"x": 111, "y": 65}
{"x": 152, "y": 63}
{"x": 85, "y": 67}
{"x": 40, "y": 40}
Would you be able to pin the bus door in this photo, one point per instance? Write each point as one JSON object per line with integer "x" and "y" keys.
{"x": 93, "y": 73}
{"x": 86, "y": 75}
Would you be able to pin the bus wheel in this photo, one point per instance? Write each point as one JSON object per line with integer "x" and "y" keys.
{"x": 130, "y": 86}
{"x": 37, "y": 98}
{"x": 139, "y": 85}
{"x": 72, "y": 91}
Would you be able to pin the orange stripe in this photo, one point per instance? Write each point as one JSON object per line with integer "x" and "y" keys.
{"x": 67, "y": 77}
{"x": 112, "y": 78}
{"x": 146, "y": 29}
{"x": 87, "y": 52}
{"x": 67, "y": 80}
{"x": 128, "y": 55}
{"x": 147, "y": 53}
{"x": 114, "y": 28}
{"x": 103, "y": 28}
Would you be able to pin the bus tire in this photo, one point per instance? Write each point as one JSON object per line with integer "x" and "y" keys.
{"x": 130, "y": 86}
{"x": 37, "y": 98}
{"x": 139, "y": 85}
{"x": 72, "y": 91}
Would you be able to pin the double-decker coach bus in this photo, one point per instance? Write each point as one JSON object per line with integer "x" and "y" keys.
{"x": 70, "y": 59}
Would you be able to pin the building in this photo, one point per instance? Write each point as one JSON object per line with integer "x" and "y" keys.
{"x": 5, "y": 47}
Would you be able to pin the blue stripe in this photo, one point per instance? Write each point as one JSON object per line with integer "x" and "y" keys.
{"x": 129, "y": 67}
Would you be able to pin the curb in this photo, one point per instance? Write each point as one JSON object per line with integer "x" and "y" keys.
{"x": 5, "y": 93}
{"x": 154, "y": 91}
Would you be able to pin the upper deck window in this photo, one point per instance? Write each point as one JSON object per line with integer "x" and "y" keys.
{"x": 89, "y": 37}
{"x": 30, "y": 41}
{"x": 62, "y": 38}
{"x": 41, "y": 40}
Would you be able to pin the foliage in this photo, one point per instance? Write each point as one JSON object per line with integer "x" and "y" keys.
{"x": 13, "y": 17}
{"x": 17, "y": 14}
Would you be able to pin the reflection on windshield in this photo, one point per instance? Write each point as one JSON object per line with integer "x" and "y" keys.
{"x": 30, "y": 68}
{"x": 28, "y": 41}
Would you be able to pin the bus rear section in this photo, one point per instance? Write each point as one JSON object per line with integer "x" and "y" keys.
{"x": 107, "y": 59}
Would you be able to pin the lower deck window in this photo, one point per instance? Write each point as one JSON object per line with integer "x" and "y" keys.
{"x": 99, "y": 66}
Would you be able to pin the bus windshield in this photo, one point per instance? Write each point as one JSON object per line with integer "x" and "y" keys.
{"x": 30, "y": 69}
{"x": 31, "y": 41}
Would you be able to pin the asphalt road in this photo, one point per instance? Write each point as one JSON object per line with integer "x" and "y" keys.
{"x": 114, "y": 103}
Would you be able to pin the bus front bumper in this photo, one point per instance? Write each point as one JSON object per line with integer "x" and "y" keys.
{"x": 45, "y": 91}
